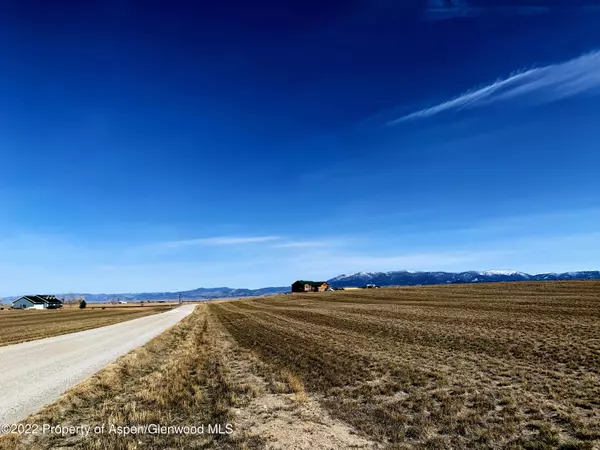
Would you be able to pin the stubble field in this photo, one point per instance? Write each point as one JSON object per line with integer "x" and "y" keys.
{"x": 512, "y": 365}
{"x": 505, "y": 365}
{"x": 25, "y": 325}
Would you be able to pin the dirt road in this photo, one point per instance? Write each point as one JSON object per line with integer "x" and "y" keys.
{"x": 35, "y": 373}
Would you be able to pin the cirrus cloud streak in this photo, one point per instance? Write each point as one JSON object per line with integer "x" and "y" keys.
{"x": 535, "y": 86}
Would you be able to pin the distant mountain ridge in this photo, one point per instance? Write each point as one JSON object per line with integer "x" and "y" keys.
{"x": 194, "y": 294}
{"x": 397, "y": 278}
{"x": 408, "y": 278}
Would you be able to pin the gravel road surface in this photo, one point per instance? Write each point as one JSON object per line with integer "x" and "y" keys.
{"x": 34, "y": 374}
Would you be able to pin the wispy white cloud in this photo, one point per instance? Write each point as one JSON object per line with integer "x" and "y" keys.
{"x": 66, "y": 266}
{"x": 540, "y": 85}
{"x": 307, "y": 244}
{"x": 220, "y": 240}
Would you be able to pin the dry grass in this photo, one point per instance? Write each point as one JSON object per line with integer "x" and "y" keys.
{"x": 510, "y": 365}
{"x": 26, "y": 325}
{"x": 178, "y": 379}
{"x": 295, "y": 384}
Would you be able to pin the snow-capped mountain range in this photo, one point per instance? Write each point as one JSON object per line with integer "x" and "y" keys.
{"x": 406, "y": 278}
{"x": 399, "y": 278}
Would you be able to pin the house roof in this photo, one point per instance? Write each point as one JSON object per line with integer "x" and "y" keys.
{"x": 31, "y": 298}
{"x": 40, "y": 299}
{"x": 312, "y": 283}
{"x": 50, "y": 298}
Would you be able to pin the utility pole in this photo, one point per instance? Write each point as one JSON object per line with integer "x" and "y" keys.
{"x": 180, "y": 298}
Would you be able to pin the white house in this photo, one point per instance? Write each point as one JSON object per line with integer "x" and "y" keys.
{"x": 37, "y": 302}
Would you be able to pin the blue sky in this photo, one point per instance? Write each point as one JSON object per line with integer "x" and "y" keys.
{"x": 171, "y": 145}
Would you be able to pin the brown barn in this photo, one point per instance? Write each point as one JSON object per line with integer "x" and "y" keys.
{"x": 309, "y": 286}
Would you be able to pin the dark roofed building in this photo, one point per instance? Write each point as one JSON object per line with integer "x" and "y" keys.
{"x": 37, "y": 302}
{"x": 309, "y": 286}
{"x": 51, "y": 301}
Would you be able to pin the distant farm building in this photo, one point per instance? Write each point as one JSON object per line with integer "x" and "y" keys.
{"x": 309, "y": 286}
{"x": 37, "y": 302}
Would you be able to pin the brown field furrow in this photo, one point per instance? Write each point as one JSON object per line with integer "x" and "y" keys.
{"x": 542, "y": 343}
{"x": 441, "y": 367}
{"x": 540, "y": 373}
{"x": 451, "y": 315}
{"x": 514, "y": 309}
{"x": 20, "y": 326}
{"x": 452, "y": 318}
{"x": 566, "y": 305}
{"x": 345, "y": 368}
{"x": 329, "y": 331}
{"x": 517, "y": 343}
